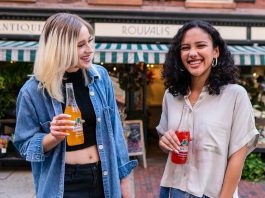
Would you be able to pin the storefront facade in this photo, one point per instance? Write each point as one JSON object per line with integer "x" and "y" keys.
{"x": 135, "y": 42}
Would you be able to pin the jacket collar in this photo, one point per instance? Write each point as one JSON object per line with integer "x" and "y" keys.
{"x": 93, "y": 73}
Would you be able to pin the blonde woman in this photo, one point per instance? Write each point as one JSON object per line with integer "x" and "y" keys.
{"x": 97, "y": 168}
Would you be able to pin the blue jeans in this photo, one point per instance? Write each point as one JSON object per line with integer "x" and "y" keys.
{"x": 176, "y": 193}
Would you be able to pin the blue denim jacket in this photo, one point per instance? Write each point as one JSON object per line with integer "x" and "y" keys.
{"x": 35, "y": 110}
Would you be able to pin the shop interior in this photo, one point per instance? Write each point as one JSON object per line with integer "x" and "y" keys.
{"x": 138, "y": 89}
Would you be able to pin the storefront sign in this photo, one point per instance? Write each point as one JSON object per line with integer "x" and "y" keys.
{"x": 159, "y": 31}
{"x": 135, "y": 30}
{"x": 232, "y": 33}
{"x": 12, "y": 27}
{"x": 16, "y": 27}
{"x": 258, "y": 33}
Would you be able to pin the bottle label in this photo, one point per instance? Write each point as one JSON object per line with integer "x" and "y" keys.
{"x": 78, "y": 128}
{"x": 3, "y": 150}
{"x": 183, "y": 149}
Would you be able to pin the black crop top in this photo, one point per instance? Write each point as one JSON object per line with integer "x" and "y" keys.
{"x": 87, "y": 111}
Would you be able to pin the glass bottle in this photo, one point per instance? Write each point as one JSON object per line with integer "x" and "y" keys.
{"x": 183, "y": 134}
{"x": 76, "y": 136}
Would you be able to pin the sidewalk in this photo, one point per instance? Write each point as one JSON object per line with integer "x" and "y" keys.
{"x": 17, "y": 182}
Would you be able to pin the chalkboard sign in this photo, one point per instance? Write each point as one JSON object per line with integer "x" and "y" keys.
{"x": 133, "y": 131}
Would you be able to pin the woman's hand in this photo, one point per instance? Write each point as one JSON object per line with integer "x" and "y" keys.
{"x": 59, "y": 125}
{"x": 169, "y": 141}
{"x": 126, "y": 188}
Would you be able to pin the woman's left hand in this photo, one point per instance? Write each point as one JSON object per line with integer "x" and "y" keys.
{"x": 126, "y": 188}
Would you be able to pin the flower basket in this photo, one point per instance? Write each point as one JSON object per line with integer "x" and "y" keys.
{"x": 4, "y": 139}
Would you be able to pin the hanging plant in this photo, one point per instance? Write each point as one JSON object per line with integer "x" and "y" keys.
{"x": 12, "y": 77}
{"x": 131, "y": 78}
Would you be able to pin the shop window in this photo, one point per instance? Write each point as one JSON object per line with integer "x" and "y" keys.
{"x": 12, "y": 76}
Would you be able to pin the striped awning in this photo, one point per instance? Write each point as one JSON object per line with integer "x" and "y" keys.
{"x": 248, "y": 55}
{"x": 24, "y": 51}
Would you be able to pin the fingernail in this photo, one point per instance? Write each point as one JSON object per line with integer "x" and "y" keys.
{"x": 67, "y": 134}
{"x": 176, "y": 151}
{"x": 67, "y": 115}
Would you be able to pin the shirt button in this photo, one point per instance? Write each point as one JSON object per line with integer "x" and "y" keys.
{"x": 100, "y": 147}
{"x": 105, "y": 173}
{"x": 98, "y": 119}
{"x": 91, "y": 93}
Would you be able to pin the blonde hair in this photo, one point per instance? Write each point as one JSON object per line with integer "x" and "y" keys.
{"x": 57, "y": 51}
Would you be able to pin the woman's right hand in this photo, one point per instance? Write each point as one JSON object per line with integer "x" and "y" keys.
{"x": 169, "y": 141}
{"x": 59, "y": 125}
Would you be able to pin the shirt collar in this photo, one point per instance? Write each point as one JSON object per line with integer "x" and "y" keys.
{"x": 202, "y": 95}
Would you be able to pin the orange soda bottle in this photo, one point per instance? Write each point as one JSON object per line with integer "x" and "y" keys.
{"x": 76, "y": 136}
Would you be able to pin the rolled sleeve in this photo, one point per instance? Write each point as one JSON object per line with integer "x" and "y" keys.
{"x": 28, "y": 135}
{"x": 127, "y": 168}
{"x": 35, "y": 152}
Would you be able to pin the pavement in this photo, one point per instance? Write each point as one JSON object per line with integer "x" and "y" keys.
{"x": 17, "y": 181}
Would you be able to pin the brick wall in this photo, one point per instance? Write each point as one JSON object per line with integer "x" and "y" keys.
{"x": 116, "y": 2}
{"x": 259, "y": 4}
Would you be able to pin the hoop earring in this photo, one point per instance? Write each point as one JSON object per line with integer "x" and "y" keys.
{"x": 214, "y": 63}
{"x": 182, "y": 70}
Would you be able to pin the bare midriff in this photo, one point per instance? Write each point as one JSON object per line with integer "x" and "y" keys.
{"x": 82, "y": 156}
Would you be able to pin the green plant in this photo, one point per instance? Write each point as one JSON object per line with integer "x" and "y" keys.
{"x": 12, "y": 77}
{"x": 254, "y": 168}
{"x": 256, "y": 91}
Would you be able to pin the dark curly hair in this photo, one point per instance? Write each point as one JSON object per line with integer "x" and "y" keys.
{"x": 178, "y": 80}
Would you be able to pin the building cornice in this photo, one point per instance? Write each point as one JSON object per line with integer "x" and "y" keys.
{"x": 137, "y": 16}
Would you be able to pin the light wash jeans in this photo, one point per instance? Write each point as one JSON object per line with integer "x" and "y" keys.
{"x": 176, "y": 193}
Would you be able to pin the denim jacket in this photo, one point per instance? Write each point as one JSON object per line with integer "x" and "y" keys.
{"x": 35, "y": 110}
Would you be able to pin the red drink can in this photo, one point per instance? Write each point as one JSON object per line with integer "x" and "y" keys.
{"x": 181, "y": 157}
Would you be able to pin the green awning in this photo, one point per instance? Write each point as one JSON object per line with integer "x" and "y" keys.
{"x": 24, "y": 51}
{"x": 248, "y": 55}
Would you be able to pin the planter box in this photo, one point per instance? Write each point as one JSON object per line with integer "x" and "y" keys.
{"x": 116, "y": 2}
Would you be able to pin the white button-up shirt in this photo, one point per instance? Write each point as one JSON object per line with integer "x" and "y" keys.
{"x": 220, "y": 125}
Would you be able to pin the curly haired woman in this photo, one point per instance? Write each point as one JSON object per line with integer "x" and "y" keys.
{"x": 200, "y": 75}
